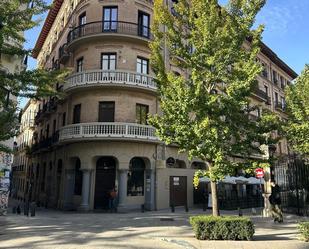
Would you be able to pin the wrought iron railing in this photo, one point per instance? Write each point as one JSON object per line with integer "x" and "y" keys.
{"x": 109, "y": 27}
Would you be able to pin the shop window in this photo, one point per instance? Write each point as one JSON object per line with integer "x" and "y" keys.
{"x": 136, "y": 177}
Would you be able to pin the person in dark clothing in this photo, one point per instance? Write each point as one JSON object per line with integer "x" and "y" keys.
{"x": 111, "y": 201}
{"x": 275, "y": 202}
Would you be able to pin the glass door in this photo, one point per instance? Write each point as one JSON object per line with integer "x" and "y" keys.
{"x": 110, "y": 19}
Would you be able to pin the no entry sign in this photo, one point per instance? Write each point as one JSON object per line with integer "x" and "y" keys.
{"x": 259, "y": 173}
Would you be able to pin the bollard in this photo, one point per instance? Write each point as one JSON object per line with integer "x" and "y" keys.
{"x": 14, "y": 210}
{"x": 143, "y": 208}
{"x": 186, "y": 208}
{"x": 173, "y": 208}
{"x": 32, "y": 209}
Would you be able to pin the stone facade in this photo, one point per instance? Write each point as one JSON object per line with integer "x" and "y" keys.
{"x": 95, "y": 139}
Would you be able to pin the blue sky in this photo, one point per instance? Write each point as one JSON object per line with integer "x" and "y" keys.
{"x": 286, "y": 31}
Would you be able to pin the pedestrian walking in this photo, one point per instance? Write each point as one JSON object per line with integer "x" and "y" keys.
{"x": 275, "y": 202}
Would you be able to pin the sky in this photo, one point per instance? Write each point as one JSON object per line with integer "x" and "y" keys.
{"x": 286, "y": 31}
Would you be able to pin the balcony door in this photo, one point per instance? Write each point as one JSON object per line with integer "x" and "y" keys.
{"x": 76, "y": 113}
{"x": 142, "y": 67}
{"x": 143, "y": 24}
{"x": 110, "y": 19}
{"x": 106, "y": 111}
{"x": 108, "y": 63}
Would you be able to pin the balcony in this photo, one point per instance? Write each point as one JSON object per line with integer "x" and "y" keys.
{"x": 261, "y": 95}
{"x": 108, "y": 28}
{"x": 97, "y": 78}
{"x": 64, "y": 55}
{"x": 108, "y": 131}
{"x": 48, "y": 108}
{"x": 45, "y": 144}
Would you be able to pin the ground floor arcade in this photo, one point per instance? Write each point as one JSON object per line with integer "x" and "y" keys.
{"x": 81, "y": 176}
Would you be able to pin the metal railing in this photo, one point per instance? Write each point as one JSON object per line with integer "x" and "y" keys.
{"x": 107, "y": 130}
{"x": 260, "y": 93}
{"x": 115, "y": 77}
{"x": 109, "y": 27}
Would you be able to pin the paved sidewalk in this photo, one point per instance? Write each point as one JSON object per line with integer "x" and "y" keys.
{"x": 150, "y": 230}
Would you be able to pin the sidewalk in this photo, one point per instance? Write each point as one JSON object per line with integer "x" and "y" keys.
{"x": 150, "y": 230}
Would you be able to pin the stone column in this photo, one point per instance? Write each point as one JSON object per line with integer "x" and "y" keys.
{"x": 69, "y": 189}
{"x": 122, "y": 188}
{"x": 84, "y": 206}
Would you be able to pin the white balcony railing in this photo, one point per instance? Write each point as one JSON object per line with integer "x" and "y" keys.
{"x": 110, "y": 77}
{"x": 89, "y": 131}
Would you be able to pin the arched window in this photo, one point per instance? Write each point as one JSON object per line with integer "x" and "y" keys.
{"x": 78, "y": 178}
{"x": 136, "y": 177}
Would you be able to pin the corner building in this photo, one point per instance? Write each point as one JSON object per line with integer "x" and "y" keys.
{"x": 97, "y": 137}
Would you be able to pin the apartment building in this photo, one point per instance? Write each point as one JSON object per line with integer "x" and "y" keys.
{"x": 97, "y": 137}
{"x": 21, "y": 167}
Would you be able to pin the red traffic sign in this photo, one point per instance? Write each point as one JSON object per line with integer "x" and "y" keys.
{"x": 259, "y": 173}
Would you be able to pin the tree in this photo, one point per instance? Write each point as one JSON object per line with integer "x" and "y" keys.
{"x": 15, "y": 18}
{"x": 206, "y": 109}
{"x": 297, "y": 127}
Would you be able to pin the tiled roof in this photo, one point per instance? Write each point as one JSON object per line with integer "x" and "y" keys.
{"x": 52, "y": 14}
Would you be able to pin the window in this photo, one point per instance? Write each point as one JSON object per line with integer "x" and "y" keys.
{"x": 283, "y": 102}
{"x": 266, "y": 89}
{"x": 79, "y": 65}
{"x": 76, "y": 114}
{"x": 110, "y": 19}
{"x": 82, "y": 19}
{"x": 276, "y": 98}
{"x": 78, "y": 184}
{"x": 264, "y": 71}
{"x": 282, "y": 82}
{"x": 108, "y": 61}
{"x": 142, "y": 65}
{"x": 275, "y": 77}
{"x": 143, "y": 24}
{"x": 81, "y": 23}
{"x": 136, "y": 177}
{"x": 63, "y": 118}
{"x": 141, "y": 113}
{"x": 106, "y": 111}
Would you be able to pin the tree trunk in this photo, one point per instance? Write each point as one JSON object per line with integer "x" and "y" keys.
{"x": 214, "y": 199}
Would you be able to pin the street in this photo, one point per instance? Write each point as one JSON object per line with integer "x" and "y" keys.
{"x": 151, "y": 230}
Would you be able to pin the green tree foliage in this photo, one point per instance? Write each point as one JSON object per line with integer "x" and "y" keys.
{"x": 205, "y": 109}
{"x": 15, "y": 18}
{"x": 297, "y": 98}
